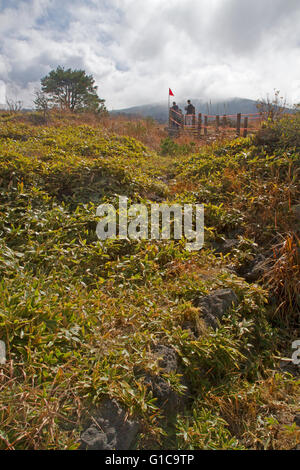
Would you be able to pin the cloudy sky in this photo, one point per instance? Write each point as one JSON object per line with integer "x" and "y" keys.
{"x": 137, "y": 49}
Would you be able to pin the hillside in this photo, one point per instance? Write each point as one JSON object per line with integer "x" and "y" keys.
{"x": 159, "y": 111}
{"x": 140, "y": 344}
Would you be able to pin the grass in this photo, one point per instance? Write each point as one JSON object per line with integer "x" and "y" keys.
{"x": 79, "y": 316}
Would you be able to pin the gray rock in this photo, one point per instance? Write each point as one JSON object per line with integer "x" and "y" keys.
{"x": 226, "y": 247}
{"x": 257, "y": 271}
{"x": 170, "y": 401}
{"x": 216, "y": 305}
{"x": 254, "y": 270}
{"x": 109, "y": 429}
{"x": 192, "y": 329}
{"x": 167, "y": 398}
{"x": 168, "y": 357}
{"x": 95, "y": 439}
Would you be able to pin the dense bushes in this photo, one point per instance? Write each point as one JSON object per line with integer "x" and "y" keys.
{"x": 283, "y": 134}
{"x": 80, "y": 316}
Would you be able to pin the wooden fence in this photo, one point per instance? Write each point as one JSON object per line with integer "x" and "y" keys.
{"x": 200, "y": 125}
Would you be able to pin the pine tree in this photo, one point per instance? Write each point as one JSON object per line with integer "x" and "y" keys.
{"x": 72, "y": 90}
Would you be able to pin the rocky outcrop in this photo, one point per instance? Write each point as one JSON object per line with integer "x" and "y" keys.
{"x": 227, "y": 246}
{"x": 253, "y": 271}
{"x": 168, "y": 399}
{"x": 216, "y": 305}
{"x": 109, "y": 429}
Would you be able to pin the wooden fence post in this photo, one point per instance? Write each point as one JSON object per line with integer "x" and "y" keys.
{"x": 238, "y": 124}
{"x": 205, "y": 125}
{"x": 199, "y": 125}
{"x": 224, "y": 120}
{"x": 217, "y": 123}
{"x": 194, "y": 124}
{"x": 245, "y": 126}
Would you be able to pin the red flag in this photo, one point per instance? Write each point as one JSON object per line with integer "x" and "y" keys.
{"x": 171, "y": 92}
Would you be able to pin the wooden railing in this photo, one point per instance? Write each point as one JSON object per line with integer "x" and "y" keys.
{"x": 204, "y": 125}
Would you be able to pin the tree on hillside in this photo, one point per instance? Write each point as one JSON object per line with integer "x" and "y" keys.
{"x": 72, "y": 90}
{"x": 41, "y": 102}
{"x": 13, "y": 106}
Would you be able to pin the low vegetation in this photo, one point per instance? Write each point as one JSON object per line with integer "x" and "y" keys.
{"x": 80, "y": 316}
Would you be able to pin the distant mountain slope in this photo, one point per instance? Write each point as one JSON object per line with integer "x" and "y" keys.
{"x": 159, "y": 111}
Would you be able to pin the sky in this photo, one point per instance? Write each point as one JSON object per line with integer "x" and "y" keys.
{"x": 137, "y": 49}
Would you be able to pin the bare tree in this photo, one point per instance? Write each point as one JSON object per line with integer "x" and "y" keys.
{"x": 41, "y": 103}
{"x": 272, "y": 108}
{"x": 13, "y": 105}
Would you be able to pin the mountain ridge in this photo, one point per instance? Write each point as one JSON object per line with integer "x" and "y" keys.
{"x": 159, "y": 111}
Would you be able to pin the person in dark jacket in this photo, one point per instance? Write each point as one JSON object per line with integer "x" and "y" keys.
{"x": 175, "y": 106}
{"x": 190, "y": 108}
{"x": 174, "y": 114}
{"x": 190, "y": 113}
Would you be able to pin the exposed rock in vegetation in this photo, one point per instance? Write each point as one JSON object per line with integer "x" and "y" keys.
{"x": 80, "y": 316}
{"x": 109, "y": 429}
{"x": 168, "y": 358}
{"x": 216, "y": 305}
{"x": 226, "y": 247}
{"x": 168, "y": 399}
{"x": 253, "y": 271}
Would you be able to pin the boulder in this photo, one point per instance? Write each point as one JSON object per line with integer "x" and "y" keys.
{"x": 168, "y": 358}
{"x": 216, "y": 305}
{"x": 226, "y": 247}
{"x": 257, "y": 271}
{"x": 253, "y": 271}
{"x": 109, "y": 429}
{"x": 170, "y": 401}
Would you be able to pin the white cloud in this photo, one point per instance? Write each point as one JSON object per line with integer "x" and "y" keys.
{"x": 2, "y": 92}
{"x": 137, "y": 49}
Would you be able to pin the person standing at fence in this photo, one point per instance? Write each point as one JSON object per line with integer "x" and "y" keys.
{"x": 190, "y": 113}
{"x": 174, "y": 114}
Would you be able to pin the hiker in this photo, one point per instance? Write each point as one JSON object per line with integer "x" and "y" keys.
{"x": 174, "y": 114}
{"x": 175, "y": 106}
{"x": 190, "y": 113}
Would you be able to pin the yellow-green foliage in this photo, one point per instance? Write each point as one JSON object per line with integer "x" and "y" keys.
{"x": 79, "y": 316}
{"x": 74, "y": 162}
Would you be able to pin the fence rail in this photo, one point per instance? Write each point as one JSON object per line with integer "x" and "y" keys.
{"x": 204, "y": 125}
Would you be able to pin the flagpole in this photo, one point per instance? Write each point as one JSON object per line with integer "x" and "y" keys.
{"x": 170, "y": 94}
{"x": 169, "y": 108}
